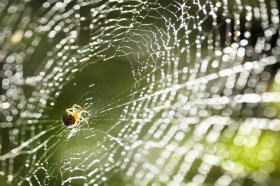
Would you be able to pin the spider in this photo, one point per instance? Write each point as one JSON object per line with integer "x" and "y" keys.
{"x": 74, "y": 116}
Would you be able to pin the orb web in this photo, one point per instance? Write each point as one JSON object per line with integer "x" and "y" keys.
{"x": 178, "y": 92}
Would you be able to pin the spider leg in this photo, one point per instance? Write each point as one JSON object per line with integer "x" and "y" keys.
{"x": 74, "y": 108}
{"x": 86, "y": 121}
{"x": 77, "y": 107}
{"x": 69, "y": 111}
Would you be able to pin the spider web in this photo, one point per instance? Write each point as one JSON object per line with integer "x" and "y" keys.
{"x": 178, "y": 92}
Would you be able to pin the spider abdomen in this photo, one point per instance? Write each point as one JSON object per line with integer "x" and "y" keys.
{"x": 68, "y": 120}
